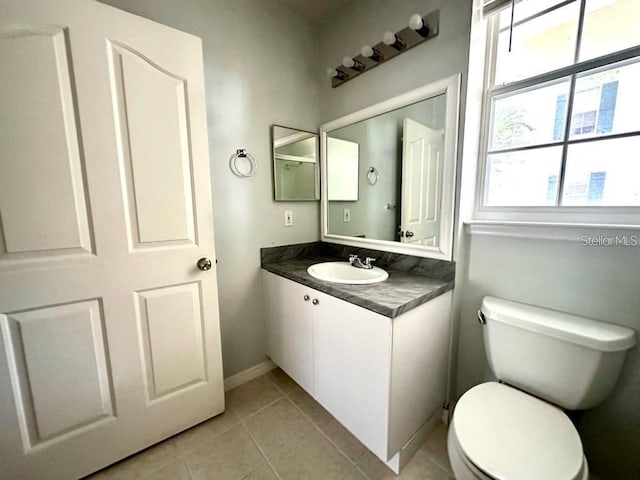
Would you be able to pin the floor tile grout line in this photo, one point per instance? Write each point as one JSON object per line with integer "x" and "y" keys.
{"x": 285, "y": 393}
{"x": 189, "y": 472}
{"x": 293, "y": 438}
{"x": 259, "y": 410}
{"x": 257, "y": 445}
{"x": 427, "y": 453}
{"x": 183, "y": 451}
{"x": 433, "y": 459}
{"x": 317, "y": 427}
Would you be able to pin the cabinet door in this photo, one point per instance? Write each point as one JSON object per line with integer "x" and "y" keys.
{"x": 289, "y": 328}
{"x": 352, "y": 353}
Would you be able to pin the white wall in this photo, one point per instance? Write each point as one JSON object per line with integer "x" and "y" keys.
{"x": 260, "y": 69}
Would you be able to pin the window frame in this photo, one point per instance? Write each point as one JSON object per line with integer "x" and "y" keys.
{"x": 609, "y": 215}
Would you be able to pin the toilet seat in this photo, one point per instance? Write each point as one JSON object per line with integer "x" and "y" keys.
{"x": 509, "y": 434}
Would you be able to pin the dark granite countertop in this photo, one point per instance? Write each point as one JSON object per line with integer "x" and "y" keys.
{"x": 404, "y": 290}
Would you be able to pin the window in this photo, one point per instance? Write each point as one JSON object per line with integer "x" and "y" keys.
{"x": 562, "y": 109}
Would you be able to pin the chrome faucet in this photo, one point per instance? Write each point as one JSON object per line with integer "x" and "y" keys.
{"x": 355, "y": 261}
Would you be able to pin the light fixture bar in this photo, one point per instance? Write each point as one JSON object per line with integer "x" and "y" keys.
{"x": 419, "y": 30}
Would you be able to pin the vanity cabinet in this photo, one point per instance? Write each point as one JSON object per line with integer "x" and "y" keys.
{"x": 383, "y": 378}
{"x": 289, "y": 328}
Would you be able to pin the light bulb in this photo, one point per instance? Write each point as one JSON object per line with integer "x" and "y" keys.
{"x": 333, "y": 73}
{"x": 348, "y": 62}
{"x": 352, "y": 64}
{"x": 389, "y": 38}
{"x": 368, "y": 52}
{"x": 393, "y": 40}
{"x": 417, "y": 23}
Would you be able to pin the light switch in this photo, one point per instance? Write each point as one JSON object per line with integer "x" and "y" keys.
{"x": 288, "y": 218}
{"x": 346, "y": 215}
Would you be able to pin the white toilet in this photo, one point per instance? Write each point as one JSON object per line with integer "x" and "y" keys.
{"x": 562, "y": 361}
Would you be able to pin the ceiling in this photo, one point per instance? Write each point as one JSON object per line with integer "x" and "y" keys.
{"x": 317, "y": 11}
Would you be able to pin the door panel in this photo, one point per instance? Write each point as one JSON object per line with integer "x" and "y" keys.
{"x": 110, "y": 334}
{"x": 170, "y": 327}
{"x": 151, "y": 105}
{"x": 68, "y": 340}
{"x": 42, "y": 190}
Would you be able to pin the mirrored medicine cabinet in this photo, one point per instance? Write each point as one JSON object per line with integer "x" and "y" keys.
{"x": 295, "y": 164}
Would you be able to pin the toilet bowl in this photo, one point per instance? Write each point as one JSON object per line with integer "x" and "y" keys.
{"x": 499, "y": 432}
{"x": 545, "y": 361}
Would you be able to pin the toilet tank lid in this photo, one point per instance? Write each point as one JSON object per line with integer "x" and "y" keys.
{"x": 595, "y": 334}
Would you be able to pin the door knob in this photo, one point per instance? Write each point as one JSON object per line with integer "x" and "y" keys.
{"x": 306, "y": 298}
{"x": 315, "y": 301}
{"x": 408, "y": 234}
{"x": 204, "y": 264}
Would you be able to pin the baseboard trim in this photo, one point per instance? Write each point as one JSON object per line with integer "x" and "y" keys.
{"x": 249, "y": 374}
{"x": 406, "y": 453}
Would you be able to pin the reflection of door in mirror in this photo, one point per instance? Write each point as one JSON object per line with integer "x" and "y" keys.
{"x": 422, "y": 153}
{"x": 342, "y": 168}
{"x": 295, "y": 164}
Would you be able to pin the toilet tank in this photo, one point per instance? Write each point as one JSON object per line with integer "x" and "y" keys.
{"x": 568, "y": 360}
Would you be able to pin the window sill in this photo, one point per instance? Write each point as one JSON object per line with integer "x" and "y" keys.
{"x": 601, "y": 234}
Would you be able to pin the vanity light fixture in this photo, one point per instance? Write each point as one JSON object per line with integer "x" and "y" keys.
{"x": 352, "y": 64}
{"x": 368, "y": 51}
{"x": 420, "y": 28}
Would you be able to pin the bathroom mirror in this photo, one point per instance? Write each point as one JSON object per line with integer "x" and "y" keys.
{"x": 295, "y": 164}
{"x": 406, "y": 149}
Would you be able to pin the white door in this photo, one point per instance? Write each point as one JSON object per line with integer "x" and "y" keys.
{"x": 422, "y": 156}
{"x": 110, "y": 333}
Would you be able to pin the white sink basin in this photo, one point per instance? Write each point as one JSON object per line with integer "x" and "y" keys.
{"x": 344, "y": 272}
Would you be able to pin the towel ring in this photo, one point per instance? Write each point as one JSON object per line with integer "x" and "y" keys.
{"x": 372, "y": 176}
{"x": 233, "y": 163}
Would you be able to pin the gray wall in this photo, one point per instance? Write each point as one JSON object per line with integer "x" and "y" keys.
{"x": 260, "y": 69}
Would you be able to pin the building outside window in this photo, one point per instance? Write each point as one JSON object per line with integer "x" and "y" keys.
{"x": 562, "y": 109}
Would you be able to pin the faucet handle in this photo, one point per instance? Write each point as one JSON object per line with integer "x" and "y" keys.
{"x": 369, "y": 260}
{"x": 353, "y": 258}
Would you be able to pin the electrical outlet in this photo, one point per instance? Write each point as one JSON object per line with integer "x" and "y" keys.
{"x": 288, "y": 218}
{"x": 346, "y": 215}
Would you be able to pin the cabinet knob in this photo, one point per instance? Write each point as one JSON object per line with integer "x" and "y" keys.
{"x": 315, "y": 301}
{"x": 306, "y": 298}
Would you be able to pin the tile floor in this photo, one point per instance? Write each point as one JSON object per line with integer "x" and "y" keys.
{"x": 272, "y": 430}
